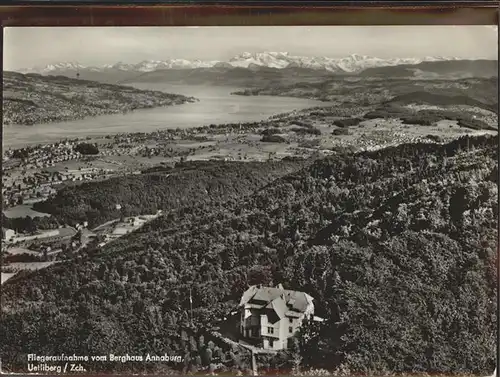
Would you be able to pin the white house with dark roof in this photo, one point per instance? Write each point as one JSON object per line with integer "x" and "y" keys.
{"x": 272, "y": 315}
{"x": 8, "y": 234}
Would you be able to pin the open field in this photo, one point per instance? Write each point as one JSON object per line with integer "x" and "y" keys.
{"x": 30, "y": 265}
{"x": 23, "y": 210}
{"x": 20, "y": 266}
{"x": 6, "y": 276}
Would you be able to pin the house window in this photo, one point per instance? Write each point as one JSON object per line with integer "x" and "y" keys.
{"x": 290, "y": 329}
{"x": 271, "y": 343}
{"x": 290, "y": 319}
{"x": 270, "y": 330}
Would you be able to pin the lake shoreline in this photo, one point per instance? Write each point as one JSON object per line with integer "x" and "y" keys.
{"x": 214, "y": 106}
{"x": 36, "y": 99}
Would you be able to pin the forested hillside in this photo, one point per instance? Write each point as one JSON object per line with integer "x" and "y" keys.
{"x": 187, "y": 184}
{"x": 454, "y": 68}
{"x": 482, "y": 92}
{"x": 396, "y": 246}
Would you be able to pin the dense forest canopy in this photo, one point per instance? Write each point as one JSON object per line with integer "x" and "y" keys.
{"x": 397, "y": 247}
{"x": 188, "y": 183}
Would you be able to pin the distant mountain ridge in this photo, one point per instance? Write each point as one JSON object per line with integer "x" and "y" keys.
{"x": 274, "y": 69}
{"x": 458, "y": 68}
{"x": 350, "y": 64}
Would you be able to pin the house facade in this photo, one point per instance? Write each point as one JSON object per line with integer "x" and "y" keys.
{"x": 8, "y": 234}
{"x": 272, "y": 315}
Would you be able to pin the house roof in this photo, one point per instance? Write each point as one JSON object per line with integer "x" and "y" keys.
{"x": 284, "y": 302}
{"x": 279, "y": 306}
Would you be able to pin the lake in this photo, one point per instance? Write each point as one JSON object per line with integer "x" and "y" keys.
{"x": 216, "y": 106}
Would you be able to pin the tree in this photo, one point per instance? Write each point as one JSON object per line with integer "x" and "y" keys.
{"x": 207, "y": 356}
{"x": 201, "y": 342}
{"x": 295, "y": 356}
{"x": 87, "y": 149}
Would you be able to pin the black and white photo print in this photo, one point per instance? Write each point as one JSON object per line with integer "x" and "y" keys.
{"x": 308, "y": 201}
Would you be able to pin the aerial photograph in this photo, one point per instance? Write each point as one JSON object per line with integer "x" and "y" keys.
{"x": 258, "y": 200}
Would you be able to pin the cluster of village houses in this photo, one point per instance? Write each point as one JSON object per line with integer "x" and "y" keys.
{"x": 27, "y": 178}
{"x": 45, "y": 155}
{"x": 39, "y": 185}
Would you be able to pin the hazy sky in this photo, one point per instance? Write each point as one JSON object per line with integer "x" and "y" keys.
{"x": 39, "y": 46}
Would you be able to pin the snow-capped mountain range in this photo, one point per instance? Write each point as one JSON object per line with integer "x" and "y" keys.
{"x": 350, "y": 64}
